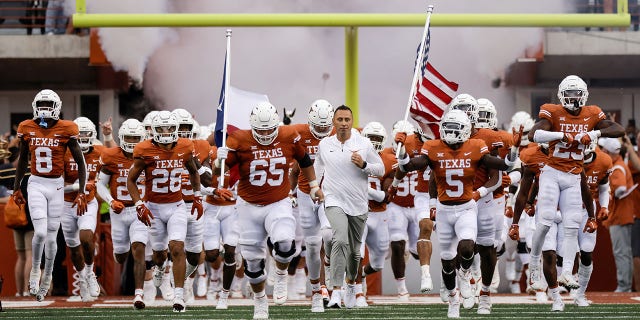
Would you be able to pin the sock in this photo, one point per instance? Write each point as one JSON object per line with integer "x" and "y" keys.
{"x": 425, "y": 270}
{"x": 139, "y": 292}
{"x": 89, "y": 268}
{"x": 485, "y": 288}
{"x": 190, "y": 269}
{"x": 178, "y": 292}
{"x": 584, "y": 275}
{"x": 570, "y": 248}
{"x": 538, "y": 239}
{"x": 402, "y": 286}
{"x": 555, "y": 293}
{"x": 315, "y": 287}
{"x": 215, "y": 274}
{"x": 358, "y": 287}
{"x": 259, "y": 295}
{"x": 201, "y": 270}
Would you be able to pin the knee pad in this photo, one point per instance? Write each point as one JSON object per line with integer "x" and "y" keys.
{"x": 522, "y": 247}
{"x": 282, "y": 253}
{"x": 254, "y": 270}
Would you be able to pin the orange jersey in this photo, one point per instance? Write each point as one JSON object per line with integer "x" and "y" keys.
{"x": 562, "y": 157}
{"x": 621, "y": 209}
{"x": 117, "y": 165}
{"x": 507, "y": 143}
{"x": 214, "y": 200}
{"x": 310, "y": 142}
{"x": 533, "y": 158}
{"x": 201, "y": 152}
{"x": 636, "y": 193}
{"x": 264, "y": 170}
{"x": 494, "y": 142}
{"x": 164, "y": 168}
{"x": 597, "y": 170}
{"x": 47, "y": 147}
{"x": 407, "y": 187}
{"x": 454, "y": 170}
{"x": 92, "y": 161}
{"x": 376, "y": 183}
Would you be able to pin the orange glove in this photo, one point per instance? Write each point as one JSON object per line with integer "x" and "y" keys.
{"x": 400, "y": 137}
{"x": 80, "y": 203}
{"x": 591, "y": 226}
{"x": 223, "y": 193}
{"x": 517, "y": 136}
{"x": 18, "y": 198}
{"x": 530, "y": 209}
{"x": 116, "y": 206}
{"x": 603, "y": 214}
{"x": 508, "y": 212}
{"x": 196, "y": 206}
{"x": 144, "y": 214}
{"x": 514, "y": 232}
{"x": 432, "y": 214}
{"x": 391, "y": 192}
{"x": 568, "y": 138}
{"x": 506, "y": 181}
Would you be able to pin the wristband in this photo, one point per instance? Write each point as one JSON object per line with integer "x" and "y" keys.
{"x": 197, "y": 194}
{"x": 313, "y": 184}
{"x": 395, "y": 182}
{"x": 139, "y": 203}
{"x": 482, "y": 191}
{"x": 364, "y": 165}
{"x": 432, "y": 203}
{"x": 203, "y": 169}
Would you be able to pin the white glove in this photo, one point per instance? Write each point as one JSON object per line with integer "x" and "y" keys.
{"x": 223, "y": 153}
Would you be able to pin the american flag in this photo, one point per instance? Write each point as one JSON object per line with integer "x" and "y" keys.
{"x": 433, "y": 94}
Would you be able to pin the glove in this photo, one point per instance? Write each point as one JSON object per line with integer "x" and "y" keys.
{"x": 80, "y": 203}
{"x": 506, "y": 181}
{"x": 223, "y": 153}
{"x": 18, "y": 198}
{"x": 432, "y": 213}
{"x": 585, "y": 138}
{"x": 514, "y": 232}
{"x": 568, "y": 138}
{"x": 144, "y": 214}
{"x": 530, "y": 209}
{"x": 223, "y": 193}
{"x": 603, "y": 214}
{"x": 196, "y": 206}
{"x": 390, "y": 194}
{"x": 294, "y": 201}
{"x": 508, "y": 212}
{"x": 116, "y": 206}
{"x": 517, "y": 136}
{"x": 591, "y": 226}
{"x": 400, "y": 137}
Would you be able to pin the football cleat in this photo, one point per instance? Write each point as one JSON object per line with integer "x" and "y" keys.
{"x": 179, "y": 305}
{"x": 261, "y": 308}
{"x": 317, "y": 303}
{"x": 223, "y": 300}
{"x": 138, "y": 302}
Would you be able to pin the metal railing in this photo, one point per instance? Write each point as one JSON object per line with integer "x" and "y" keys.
{"x": 31, "y": 14}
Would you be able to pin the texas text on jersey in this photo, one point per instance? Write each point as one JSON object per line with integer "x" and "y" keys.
{"x": 46, "y": 144}
{"x": 597, "y": 170}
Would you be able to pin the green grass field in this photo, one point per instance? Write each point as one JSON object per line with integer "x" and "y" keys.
{"x": 499, "y": 311}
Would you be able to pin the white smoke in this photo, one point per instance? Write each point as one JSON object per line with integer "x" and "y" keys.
{"x": 295, "y": 66}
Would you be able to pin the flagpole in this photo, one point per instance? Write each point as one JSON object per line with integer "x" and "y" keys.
{"x": 227, "y": 79}
{"x": 417, "y": 67}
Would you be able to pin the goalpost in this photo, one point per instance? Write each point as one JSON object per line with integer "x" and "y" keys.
{"x": 351, "y": 22}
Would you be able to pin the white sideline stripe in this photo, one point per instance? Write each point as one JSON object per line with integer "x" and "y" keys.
{"x": 25, "y": 304}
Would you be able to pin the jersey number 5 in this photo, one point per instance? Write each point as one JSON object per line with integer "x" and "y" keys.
{"x": 455, "y": 186}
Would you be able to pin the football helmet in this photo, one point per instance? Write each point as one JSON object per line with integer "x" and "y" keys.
{"x": 131, "y": 128}
{"x": 264, "y": 118}
{"x": 165, "y": 127}
{"x": 195, "y": 130}
{"x": 146, "y": 122}
{"x": 455, "y": 127}
{"x": 589, "y": 149}
{"x": 487, "y": 114}
{"x": 51, "y": 111}
{"x": 573, "y": 93}
{"x": 87, "y": 133}
{"x": 424, "y": 136}
{"x": 205, "y": 132}
{"x": 522, "y": 118}
{"x": 376, "y": 133}
{"x": 401, "y": 126}
{"x": 466, "y": 103}
{"x": 320, "y": 118}
{"x": 185, "y": 123}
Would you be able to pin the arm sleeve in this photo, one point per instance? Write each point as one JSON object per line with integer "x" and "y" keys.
{"x": 375, "y": 166}
{"x": 515, "y": 176}
{"x": 604, "y": 193}
{"x": 547, "y": 136}
{"x": 318, "y": 164}
{"x": 375, "y": 195}
{"x": 102, "y": 189}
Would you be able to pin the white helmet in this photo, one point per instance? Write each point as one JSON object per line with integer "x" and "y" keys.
{"x": 466, "y": 103}
{"x": 87, "y": 133}
{"x": 522, "y": 118}
{"x": 131, "y": 128}
{"x": 165, "y": 120}
{"x": 146, "y": 122}
{"x": 184, "y": 118}
{"x": 375, "y": 129}
{"x": 320, "y": 118}
{"x": 573, "y": 89}
{"x": 195, "y": 130}
{"x": 487, "y": 114}
{"x": 401, "y": 126}
{"x": 205, "y": 132}
{"x": 423, "y": 135}
{"x": 589, "y": 149}
{"x": 264, "y": 116}
{"x": 47, "y": 112}
{"x": 455, "y": 127}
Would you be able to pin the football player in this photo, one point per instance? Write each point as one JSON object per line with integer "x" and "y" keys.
{"x": 45, "y": 139}
{"x": 568, "y": 127}
{"x": 454, "y": 161}
{"x": 79, "y": 230}
{"x": 263, "y": 155}
{"x": 163, "y": 160}
{"x": 128, "y": 234}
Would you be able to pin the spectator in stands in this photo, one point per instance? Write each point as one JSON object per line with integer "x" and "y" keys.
{"x": 35, "y": 15}
{"x": 56, "y": 20}
{"x": 620, "y": 220}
